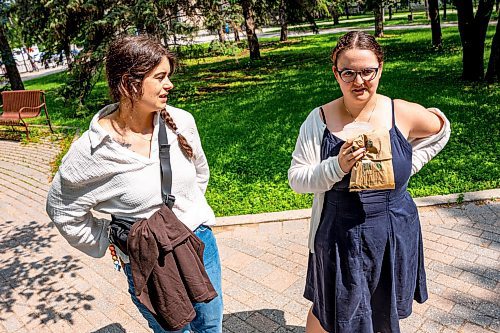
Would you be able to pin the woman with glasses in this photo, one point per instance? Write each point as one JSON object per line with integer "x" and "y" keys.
{"x": 366, "y": 262}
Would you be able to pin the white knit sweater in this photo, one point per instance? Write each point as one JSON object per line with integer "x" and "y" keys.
{"x": 308, "y": 174}
{"x": 100, "y": 174}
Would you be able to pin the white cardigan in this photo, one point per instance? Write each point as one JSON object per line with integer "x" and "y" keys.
{"x": 99, "y": 174}
{"x": 308, "y": 174}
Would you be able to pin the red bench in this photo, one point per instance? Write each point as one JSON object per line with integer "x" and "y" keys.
{"x": 19, "y": 105}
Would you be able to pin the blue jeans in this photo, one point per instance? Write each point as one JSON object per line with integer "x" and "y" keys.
{"x": 208, "y": 315}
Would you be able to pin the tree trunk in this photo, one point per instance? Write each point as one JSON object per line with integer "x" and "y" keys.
{"x": 165, "y": 41}
{"x": 390, "y": 12}
{"x": 253, "y": 42}
{"x": 435, "y": 24}
{"x": 34, "y": 67}
{"x": 473, "y": 34}
{"x": 346, "y": 10}
{"x": 24, "y": 61}
{"x": 379, "y": 22}
{"x": 175, "y": 15}
{"x": 471, "y": 69}
{"x": 10, "y": 63}
{"x": 235, "y": 32}
{"x": 444, "y": 10}
{"x": 222, "y": 35}
{"x": 336, "y": 17}
{"x": 426, "y": 3}
{"x": 312, "y": 22}
{"x": 493, "y": 72}
{"x": 283, "y": 21}
{"x": 67, "y": 53}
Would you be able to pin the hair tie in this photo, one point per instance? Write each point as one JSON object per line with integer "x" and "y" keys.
{"x": 177, "y": 133}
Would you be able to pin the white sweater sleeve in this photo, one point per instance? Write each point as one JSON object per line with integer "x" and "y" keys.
{"x": 425, "y": 149}
{"x": 307, "y": 173}
{"x": 68, "y": 206}
{"x": 200, "y": 161}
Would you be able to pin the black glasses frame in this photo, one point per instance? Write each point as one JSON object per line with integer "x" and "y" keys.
{"x": 358, "y": 73}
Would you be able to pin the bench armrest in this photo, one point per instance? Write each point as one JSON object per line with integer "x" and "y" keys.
{"x": 38, "y": 108}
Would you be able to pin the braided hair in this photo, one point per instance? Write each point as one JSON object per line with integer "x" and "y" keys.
{"x": 128, "y": 60}
{"x": 183, "y": 143}
{"x": 357, "y": 40}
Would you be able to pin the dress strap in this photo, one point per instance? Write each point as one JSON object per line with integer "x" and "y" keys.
{"x": 323, "y": 118}
{"x": 393, "y": 116}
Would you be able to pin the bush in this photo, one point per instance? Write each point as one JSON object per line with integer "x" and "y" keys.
{"x": 228, "y": 48}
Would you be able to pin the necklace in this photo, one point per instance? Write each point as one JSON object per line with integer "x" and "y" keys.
{"x": 355, "y": 119}
{"x": 140, "y": 136}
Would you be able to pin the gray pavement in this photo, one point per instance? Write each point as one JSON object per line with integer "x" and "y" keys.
{"x": 47, "y": 286}
{"x": 42, "y": 72}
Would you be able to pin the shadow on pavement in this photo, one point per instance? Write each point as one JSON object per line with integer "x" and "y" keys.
{"x": 112, "y": 328}
{"x": 472, "y": 278}
{"x": 264, "y": 320}
{"x": 11, "y": 134}
{"x": 33, "y": 283}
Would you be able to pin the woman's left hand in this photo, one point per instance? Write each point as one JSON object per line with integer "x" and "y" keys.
{"x": 348, "y": 156}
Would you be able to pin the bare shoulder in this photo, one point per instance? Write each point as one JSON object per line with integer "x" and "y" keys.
{"x": 408, "y": 109}
{"x": 331, "y": 108}
{"x": 417, "y": 120}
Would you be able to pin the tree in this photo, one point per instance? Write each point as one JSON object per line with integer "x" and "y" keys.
{"x": 15, "y": 80}
{"x": 213, "y": 12}
{"x": 435, "y": 23}
{"x": 283, "y": 21}
{"x": 378, "y": 11}
{"x": 472, "y": 30}
{"x": 335, "y": 8}
{"x": 10, "y": 63}
{"x": 253, "y": 42}
{"x": 92, "y": 24}
{"x": 493, "y": 72}
{"x": 235, "y": 17}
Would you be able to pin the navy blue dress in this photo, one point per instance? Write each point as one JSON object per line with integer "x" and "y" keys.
{"x": 368, "y": 264}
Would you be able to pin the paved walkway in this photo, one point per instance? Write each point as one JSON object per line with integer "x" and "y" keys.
{"x": 275, "y": 32}
{"x": 42, "y": 72}
{"x": 47, "y": 286}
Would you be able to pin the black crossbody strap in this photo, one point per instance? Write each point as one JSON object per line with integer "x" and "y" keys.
{"x": 166, "y": 170}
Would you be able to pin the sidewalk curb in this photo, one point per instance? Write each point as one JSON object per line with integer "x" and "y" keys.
{"x": 300, "y": 214}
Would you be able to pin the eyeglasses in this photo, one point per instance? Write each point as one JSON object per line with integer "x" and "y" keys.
{"x": 366, "y": 74}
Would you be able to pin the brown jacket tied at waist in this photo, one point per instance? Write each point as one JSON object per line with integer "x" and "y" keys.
{"x": 167, "y": 268}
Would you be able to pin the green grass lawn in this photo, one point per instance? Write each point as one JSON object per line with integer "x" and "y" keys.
{"x": 249, "y": 114}
{"x": 367, "y": 21}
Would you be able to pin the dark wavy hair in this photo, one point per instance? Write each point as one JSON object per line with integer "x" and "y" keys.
{"x": 128, "y": 60}
{"x": 357, "y": 40}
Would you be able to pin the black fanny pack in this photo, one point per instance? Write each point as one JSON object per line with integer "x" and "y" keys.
{"x": 118, "y": 233}
{"x": 118, "y": 228}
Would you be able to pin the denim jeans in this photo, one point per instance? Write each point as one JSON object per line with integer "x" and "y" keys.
{"x": 208, "y": 315}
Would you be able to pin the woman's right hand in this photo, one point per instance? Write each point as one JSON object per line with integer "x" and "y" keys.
{"x": 347, "y": 157}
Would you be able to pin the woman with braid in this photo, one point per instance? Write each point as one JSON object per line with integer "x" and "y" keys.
{"x": 114, "y": 168}
{"x": 366, "y": 263}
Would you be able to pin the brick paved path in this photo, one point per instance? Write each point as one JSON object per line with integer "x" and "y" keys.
{"x": 46, "y": 286}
